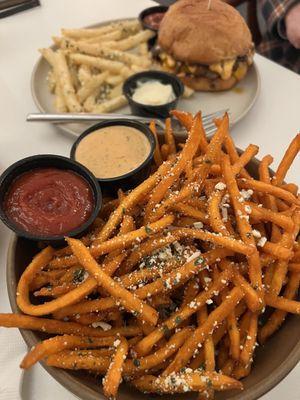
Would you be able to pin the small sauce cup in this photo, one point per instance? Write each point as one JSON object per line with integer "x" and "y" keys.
{"x": 41, "y": 163}
{"x": 127, "y": 180}
{"x": 147, "y": 22}
{"x": 152, "y": 111}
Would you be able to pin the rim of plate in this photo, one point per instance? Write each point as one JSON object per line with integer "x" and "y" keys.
{"x": 66, "y": 127}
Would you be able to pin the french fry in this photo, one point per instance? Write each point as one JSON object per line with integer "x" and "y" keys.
{"x": 169, "y": 136}
{"x": 90, "y": 86}
{"x": 75, "y": 362}
{"x": 97, "y": 62}
{"x": 118, "y": 242}
{"x": 66, "y": 85}
{"x": 113, "y": 376}
{"x": 61, "y": 327}
{"x": 287, "y": 160}
{"x": 150, "y": 361}
{"x": 290, "y": 187}
{"x": 194, "y": 381}
{"x": 146, "y": 344}
{"x": 244, "y": 158}
{"x": 129, "y": 301}
{"x": 281, "y": 303}
{"x": 233, "y": 154}
{"x": 250, "y": 341}
{"x": 133, "y": 41}
{"x": 268, "y": 189}
{"x": 147, "y": 247}
{"x": 213, "y": 212}
{"x": 243, "y": 225}
{"x": 109, "y": 105}
{"x": 224, "y": 241}
{"x": 165, "y": 151}
{"x": 190, "y": 211}
{"x": 157, "y": 154}
{"x": 201, "y": 333}
{"x": 132, "y": 25}
{"x": 60, "y": 101}
{"x": 209, "y": 349}
{"x": 187, "y": 154}
{"x": 59, "y": 343}
{"x": 212, "y": 152}
{"x": 278, "y": 316}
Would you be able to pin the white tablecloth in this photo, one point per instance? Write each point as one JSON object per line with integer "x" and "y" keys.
{"x": 272, "y": 122}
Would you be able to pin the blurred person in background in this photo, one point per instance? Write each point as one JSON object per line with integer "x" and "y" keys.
{"x": 281, "y": 42}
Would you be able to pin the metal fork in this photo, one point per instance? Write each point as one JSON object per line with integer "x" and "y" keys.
{"x": 207, "y": 119}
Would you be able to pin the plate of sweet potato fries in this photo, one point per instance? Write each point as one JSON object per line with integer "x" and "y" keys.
{"x": 182, "y": 285}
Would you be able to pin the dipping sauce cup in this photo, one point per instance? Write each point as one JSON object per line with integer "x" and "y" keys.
{"x": 48, "y": 197}
{"x": 147, "y": 110}
{"x": 151, "y": 17}
{"x": 119, "y": 153}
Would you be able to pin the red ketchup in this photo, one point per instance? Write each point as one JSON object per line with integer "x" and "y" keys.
{"x": 154, "y": 20}
{"x": 49, "y": 201}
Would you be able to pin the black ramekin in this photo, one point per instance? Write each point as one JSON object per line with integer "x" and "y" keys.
{"x": 132, "y": 178}
{"x": 148, "y": 11}
{"x": 161, "y": 111}
{"x": 48, "y": 161}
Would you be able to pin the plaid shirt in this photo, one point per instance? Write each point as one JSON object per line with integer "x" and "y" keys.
{"x": 275, "y": 44}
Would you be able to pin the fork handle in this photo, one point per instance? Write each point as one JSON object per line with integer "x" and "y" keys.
{"x": 82, "y": 117}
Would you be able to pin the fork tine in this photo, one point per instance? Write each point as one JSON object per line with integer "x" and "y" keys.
{"x": 214, "y": 115}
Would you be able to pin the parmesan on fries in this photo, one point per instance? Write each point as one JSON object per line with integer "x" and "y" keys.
{"x": 87, "y": 64}
{"x": 170, "y": 288}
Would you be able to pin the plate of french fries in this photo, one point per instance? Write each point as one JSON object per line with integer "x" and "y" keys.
{"x": 186, "y": 284}
{"x": 84, "y": 71}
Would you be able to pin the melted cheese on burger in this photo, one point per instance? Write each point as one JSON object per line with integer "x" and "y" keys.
{"x": 223, "y": 68}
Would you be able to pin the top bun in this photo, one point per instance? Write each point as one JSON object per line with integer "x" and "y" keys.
{"x": 193, "y": 33}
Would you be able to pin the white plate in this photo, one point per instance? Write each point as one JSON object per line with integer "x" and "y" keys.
{"x": 239, "y": 100}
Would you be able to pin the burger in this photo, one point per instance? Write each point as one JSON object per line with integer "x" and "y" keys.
{"x": 206, "y": 43}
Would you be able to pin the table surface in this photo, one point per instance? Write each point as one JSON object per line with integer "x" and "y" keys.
{"x": 271, "y": 124}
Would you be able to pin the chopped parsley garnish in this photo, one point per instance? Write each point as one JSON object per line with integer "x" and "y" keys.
{"x": 148, "y": 230}
{"x": 209, "y": 383}
{"x": 201, "y": 367}
{"x": 136, "y": 362}
{"x": 199, "y": 260}
{"x": 178, "y": 320}
{"x": 78, "y": 276}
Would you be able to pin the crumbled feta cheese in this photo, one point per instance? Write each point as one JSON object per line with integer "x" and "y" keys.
{"x": 104, "y": 325}
{"x": 224, "y": 214}
{"x": 256, "y": 233}
{"x": 198, "y": 225}
{"x": 220, "y": 186}
{"x": 248, "y": 209}
{"x": 246, "y": 194}
{"x": 193, "y": 256}
{"x": 262, "y": 241}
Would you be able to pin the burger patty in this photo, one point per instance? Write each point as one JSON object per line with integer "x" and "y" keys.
{"x": 224, "y": 69}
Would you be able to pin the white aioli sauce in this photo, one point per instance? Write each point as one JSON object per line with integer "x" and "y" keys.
{"x": 153, "y": 93}
{"x": 113, "y": 151}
